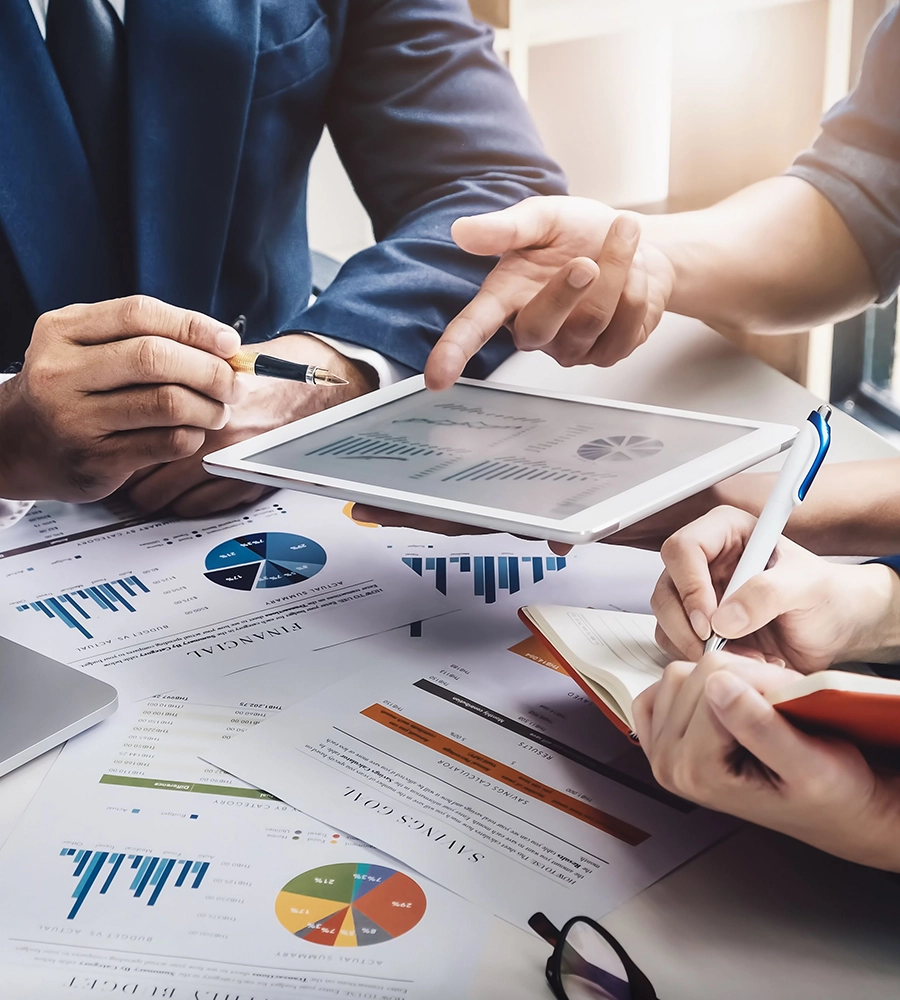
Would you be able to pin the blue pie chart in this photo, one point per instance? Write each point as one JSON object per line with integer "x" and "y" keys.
{"x": 265, "y": 560}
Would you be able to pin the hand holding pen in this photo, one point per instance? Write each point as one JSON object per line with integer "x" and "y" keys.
{"x": 248, "y": 362}
{"x": 800, "y": 468}
{"x": 773, "y": 584}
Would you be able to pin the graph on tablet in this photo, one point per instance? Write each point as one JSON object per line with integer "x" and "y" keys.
{"x": 547, "y": 457}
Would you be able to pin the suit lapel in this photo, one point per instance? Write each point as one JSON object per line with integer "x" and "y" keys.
{"x": 48, "y": 203}
{"x": 191, "y": 68}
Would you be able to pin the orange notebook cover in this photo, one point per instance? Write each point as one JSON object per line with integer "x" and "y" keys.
{"x": 859, "y": 707}
{"x": 560, "y": 658}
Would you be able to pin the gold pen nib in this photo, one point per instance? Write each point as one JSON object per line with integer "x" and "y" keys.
{"x": 323, "y": 376}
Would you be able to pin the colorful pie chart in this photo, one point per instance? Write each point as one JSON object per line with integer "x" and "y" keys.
{"x": 350, "y": 906}
{"x": 264, "y": 560}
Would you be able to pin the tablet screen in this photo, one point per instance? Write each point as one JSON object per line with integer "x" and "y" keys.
{"x": 534, "y": 455}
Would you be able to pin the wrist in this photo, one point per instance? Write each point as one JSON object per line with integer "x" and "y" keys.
{"x": 873, "y": 592}
{"x": 14, "y": 484}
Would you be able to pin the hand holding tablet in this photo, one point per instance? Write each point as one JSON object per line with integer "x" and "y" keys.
{"x": 563, "y": 468}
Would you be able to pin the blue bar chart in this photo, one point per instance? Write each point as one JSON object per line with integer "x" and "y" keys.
{"x": 76, "y": 607}
{"x": 151, "y": 875}
{"x": 490, "y": 574}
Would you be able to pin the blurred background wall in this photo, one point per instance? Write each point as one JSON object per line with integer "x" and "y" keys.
{"x": 660, "y": 105}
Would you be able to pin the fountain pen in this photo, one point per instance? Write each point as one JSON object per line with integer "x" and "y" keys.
{"x": 250, "y": 363}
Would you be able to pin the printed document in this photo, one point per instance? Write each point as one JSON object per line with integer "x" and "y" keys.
{"x": 476, "y": 759}
{"x": 145, "y": 604}
{"x": 141, "y": 868}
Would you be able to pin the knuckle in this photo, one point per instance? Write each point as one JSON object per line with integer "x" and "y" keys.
{"x": 683, "y": 774}
{"x": 593, "y": 317}
{"x": 618, "y": 255}
{"x": 671, "y": 547}
{"x": 151, "y": 355}
{"x": 168, "y": 403}
{"x": 47, "y": 326}
{"x": 192, "y": 328}
{"x": 663, "y": 772}
{"x": 219, "y": 380}
{"x": 177, "y": 442}
{"x": 763, "y": 590}
{"x": 132, "y": 312}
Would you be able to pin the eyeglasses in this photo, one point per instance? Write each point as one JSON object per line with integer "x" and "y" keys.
{"x": 588, "y": 963}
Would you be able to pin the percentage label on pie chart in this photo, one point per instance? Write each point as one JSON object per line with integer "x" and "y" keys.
{"x": 264, "y": 560}
{"x": 350, "y": 905}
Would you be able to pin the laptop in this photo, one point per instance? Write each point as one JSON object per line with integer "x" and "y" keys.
{"x": 44, "y": 703}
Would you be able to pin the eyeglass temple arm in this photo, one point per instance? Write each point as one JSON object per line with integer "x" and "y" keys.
{"x": 545, "y": 928}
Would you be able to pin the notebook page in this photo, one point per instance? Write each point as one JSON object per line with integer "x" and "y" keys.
{"x": 611, "y": 643}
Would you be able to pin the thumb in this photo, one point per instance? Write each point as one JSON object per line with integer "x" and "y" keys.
{"x": 757, "y": 727}
{"x": 530, "y": 223}
{"x": 765, "y": 597}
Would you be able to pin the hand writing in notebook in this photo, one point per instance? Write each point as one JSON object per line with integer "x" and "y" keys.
{"x": 821, "y": 791}
{"x": 803, "y": 610}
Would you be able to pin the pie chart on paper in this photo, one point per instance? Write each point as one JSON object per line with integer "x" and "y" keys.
{"x": 265, "y": 560}
{"x": 350, "y": 905}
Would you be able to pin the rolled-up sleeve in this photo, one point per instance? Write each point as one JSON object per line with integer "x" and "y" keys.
{"x": 855, "y": 162}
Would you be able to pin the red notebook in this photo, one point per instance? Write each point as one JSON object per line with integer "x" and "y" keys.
{"x": 613, "y": 657}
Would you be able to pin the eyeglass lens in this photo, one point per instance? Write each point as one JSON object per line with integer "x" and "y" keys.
{"x": 590, "y": 969}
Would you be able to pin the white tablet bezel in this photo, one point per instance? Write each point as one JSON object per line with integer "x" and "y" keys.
{"x": 590, "y": 524}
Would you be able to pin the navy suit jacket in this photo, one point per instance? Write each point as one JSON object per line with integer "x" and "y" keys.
{"x": 228, "y": 99}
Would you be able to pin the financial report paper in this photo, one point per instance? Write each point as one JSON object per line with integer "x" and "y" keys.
{"x": 142, "y": 604}
{"x": 140, "y": 868}
{"x": 472, "y": 755}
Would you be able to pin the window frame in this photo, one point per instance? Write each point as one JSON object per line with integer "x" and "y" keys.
{"x": 864, "y": 346}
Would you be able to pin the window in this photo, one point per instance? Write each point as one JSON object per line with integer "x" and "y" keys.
{"x": 866, "y": 368}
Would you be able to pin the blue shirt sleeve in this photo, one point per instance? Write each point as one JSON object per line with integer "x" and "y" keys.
{"x": 430, "y": 127}
{"x": 855, "y": 162}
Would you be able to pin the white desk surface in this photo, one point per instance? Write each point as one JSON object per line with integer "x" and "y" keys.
{"x": 758, "y": 917}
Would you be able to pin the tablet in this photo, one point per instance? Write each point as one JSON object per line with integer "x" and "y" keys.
{"x": 566, "y": 468}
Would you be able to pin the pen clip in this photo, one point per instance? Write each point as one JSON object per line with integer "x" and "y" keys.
{"x": 819, "y": 419}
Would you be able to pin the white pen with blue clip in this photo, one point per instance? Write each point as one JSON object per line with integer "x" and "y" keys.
{"x": 803, "y": 462}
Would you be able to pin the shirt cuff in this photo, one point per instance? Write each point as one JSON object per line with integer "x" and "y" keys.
{"x": 12, "y": 511}
{"x": 387, "y": 371}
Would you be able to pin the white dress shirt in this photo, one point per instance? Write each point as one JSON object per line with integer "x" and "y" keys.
{"x": 386, "y": 370}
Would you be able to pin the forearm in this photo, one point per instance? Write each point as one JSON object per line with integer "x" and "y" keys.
{"x": 853, "y": 509}
{"x": 773, "y": 258}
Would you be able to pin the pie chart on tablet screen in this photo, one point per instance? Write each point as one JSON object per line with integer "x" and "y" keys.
{"x": 350, "y": 905}
{"x": 264, "y": 560}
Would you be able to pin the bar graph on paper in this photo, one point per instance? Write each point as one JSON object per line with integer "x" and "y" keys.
{"x": 147, "y": 876}
{"x": 76, "y": 607}
{"x": 489, "y": 575}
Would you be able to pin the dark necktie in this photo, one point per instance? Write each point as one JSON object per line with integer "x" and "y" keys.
{"x": 86, "y": 41}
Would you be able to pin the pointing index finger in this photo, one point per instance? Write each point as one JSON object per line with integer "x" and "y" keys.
{"x": 465, "y": 336}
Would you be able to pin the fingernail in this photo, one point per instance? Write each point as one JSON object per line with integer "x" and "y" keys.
{"x": 731, "y": 620}
{"x": 627, "y": 227}
{"x": 228, "y": 342}
{"x": 581, "y": 276}
{"x": 723, "y": 689}
{"x": 700, "y": 625}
